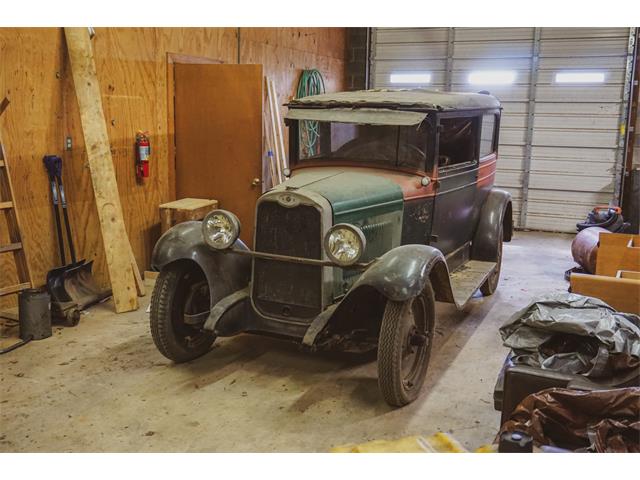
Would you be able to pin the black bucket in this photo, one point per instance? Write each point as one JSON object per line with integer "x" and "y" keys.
{"x": 34, "y": 314}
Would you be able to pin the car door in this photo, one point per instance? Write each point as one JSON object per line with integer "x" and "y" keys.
{"x": 456, "y": 206}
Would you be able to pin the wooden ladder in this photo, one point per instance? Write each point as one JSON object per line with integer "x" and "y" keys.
{"x": 8, "y": 208}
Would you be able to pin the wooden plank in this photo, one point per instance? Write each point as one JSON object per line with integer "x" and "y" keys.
{"x": 623, "y": 294}
{"x": 617, "y": 252}
{"x": 190, "y": 204}
{"x": 141, "y": 290}
{"x": 6, "y": 205}
{"x": 279, "y": 124}
{"x": 628, "y": 274}
{"x": 11, "y": 247}
{"x": 14, "y": 288}
{"x": 1, "y": 163}
{"x": 114, "y": 235}
{"x": 274, "y": 142}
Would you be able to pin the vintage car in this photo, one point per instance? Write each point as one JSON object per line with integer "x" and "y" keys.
{"x": 388, "y": 207}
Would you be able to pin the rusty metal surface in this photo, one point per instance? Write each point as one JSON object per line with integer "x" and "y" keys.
{"x": 584, "y": 247}
{"x": 495, "y": 214}
{"x": 225, "y": 273}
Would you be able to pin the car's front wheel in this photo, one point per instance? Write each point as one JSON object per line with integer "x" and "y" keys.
{"x": 181, "y": 288}
{"x": 404, "y": 347}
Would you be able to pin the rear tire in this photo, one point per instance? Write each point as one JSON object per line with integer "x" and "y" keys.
{"x": 404, "y": 347}
{"x": 180, "y": 288}
{"x": 490, "y": 285}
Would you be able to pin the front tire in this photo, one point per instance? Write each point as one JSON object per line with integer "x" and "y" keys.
{"x": 180, "y": 288}
{"x": 404, "y": 347}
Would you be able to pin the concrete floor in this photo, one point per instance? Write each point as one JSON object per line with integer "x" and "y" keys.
{"x": 102, "y": 386}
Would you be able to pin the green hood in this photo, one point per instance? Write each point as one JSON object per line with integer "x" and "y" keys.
{"x": 371, "y": 202}
{"x": 355, "y": 197}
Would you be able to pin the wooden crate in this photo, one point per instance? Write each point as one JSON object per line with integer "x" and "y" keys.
{"x": 621, "y": 292}
{"x": 618, "y": 251}
{"x": 184, "y": 210}
{"x": 617, "y": 278}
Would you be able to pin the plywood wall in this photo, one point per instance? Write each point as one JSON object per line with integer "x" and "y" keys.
{"x": 132, "y": 69}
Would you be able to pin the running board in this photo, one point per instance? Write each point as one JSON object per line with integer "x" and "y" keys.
{"x": 468, "y": 278}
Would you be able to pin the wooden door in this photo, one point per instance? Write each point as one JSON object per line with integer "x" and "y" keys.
{"x": 218, "y": 135}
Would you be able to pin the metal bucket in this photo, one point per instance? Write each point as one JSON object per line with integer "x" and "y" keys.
{"x": 34, "y": 314}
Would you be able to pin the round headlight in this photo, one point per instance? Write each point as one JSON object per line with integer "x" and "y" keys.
{"x": 344, "y": 244}
{"x": 220, "y": 229}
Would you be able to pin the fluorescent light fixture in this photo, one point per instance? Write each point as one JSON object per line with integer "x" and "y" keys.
{"x": 413, "y": 77}
{"x": 492, "y": 77}
{"x": 580, "y": 77}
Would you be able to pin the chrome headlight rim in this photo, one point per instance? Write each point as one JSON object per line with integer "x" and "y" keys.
{"x": 235, "y": 229}
{"x": 361, "y": 239}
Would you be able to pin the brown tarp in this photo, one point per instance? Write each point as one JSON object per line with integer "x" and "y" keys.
{"x": 598, "y": 421}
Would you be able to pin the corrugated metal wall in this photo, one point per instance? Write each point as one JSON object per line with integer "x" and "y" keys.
{"x": 559, "y": 143}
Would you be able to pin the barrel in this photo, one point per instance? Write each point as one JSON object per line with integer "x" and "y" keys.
{"x": 584, "y": 247}
{"x": 34, "y": 314}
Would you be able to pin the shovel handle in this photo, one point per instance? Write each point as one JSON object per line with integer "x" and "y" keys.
{"x": 51, "y": 164}
{"x": 67, "y": 224}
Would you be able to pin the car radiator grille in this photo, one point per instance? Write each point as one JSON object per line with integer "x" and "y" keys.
{"x": 284, "y": 289}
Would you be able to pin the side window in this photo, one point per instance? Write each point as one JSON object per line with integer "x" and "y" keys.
{"x": 487, "y": 135}
{"x": 457, "y": 142}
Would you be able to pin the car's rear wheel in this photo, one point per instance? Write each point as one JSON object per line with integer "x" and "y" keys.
{"x": 404, "y": 347}
{"x": 181, "y": 288}
{"x": 490, "y": 285}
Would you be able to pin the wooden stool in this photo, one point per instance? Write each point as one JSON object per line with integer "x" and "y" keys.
{"x": 184, "y": 210}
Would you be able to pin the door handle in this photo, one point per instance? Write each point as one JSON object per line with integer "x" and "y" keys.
{"x": 255, "y": 182}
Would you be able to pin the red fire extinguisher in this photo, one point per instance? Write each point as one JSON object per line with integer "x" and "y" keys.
{"x": 143, "y": 152}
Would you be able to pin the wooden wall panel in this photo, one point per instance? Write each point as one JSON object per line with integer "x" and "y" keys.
{"x": 31, "y": 127}
{"x": 132, "y": 69}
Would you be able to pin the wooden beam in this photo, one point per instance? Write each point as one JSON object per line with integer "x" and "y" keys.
{"x": 141, "y": 290}
{"x": 116, "y": 242}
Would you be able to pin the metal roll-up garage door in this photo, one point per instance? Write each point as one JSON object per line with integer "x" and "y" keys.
{"x": 560, "y": 143}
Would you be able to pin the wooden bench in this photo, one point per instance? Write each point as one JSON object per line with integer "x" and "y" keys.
{"x": 184, "y": 210}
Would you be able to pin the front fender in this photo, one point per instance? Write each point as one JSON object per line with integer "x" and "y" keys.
{"x": 401, "y": 273}
{"x": 225, "y": 272}
{"x": 495, "y": 220}
{"x": 398, "y": 275}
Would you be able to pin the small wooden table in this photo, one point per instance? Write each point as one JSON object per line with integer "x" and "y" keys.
{"x": 184, "y": 210}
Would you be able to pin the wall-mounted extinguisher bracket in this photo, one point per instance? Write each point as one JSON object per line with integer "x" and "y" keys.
{"x": 143, "y": 154}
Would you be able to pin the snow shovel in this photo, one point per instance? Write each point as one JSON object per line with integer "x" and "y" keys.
{"x": 71, "y": 286}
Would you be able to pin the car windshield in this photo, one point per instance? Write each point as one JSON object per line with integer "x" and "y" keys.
{"x": 400, "y": 146}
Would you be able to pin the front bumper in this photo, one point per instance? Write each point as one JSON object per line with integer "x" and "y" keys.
{"x": 236, "y": 314}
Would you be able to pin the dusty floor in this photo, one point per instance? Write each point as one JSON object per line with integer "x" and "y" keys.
{"x": 102, "y": 386}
